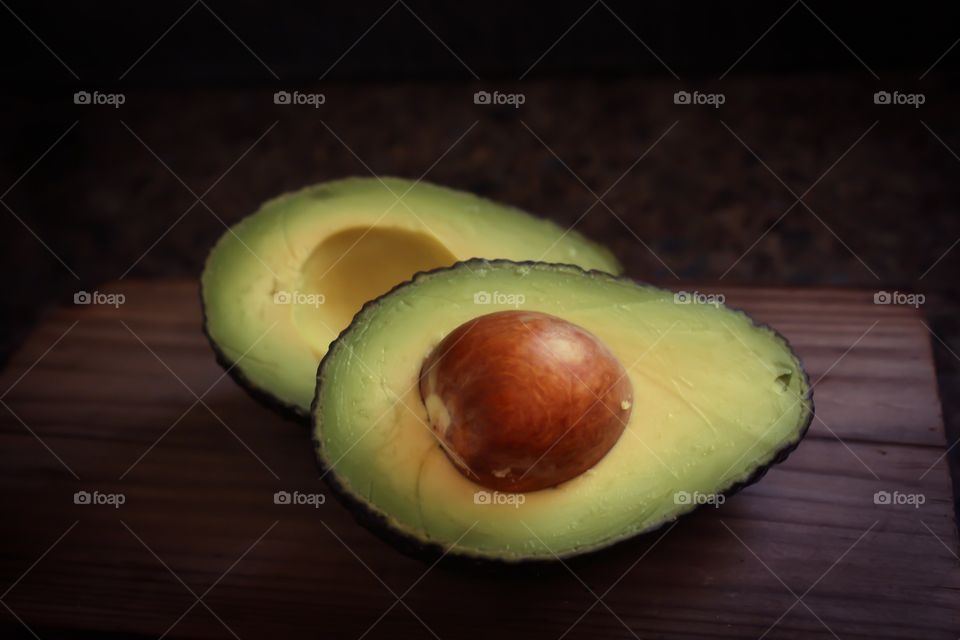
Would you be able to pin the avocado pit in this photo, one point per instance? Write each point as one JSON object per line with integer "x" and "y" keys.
{"x": 522, "y": 400}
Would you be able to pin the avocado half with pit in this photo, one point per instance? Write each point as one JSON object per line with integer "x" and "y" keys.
{"x": 526, "y": 411}
{"x": 280, "y": 285}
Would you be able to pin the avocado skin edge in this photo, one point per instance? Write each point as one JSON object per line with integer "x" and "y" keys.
{"x": 262, "y": 396}
{"x": 433, "y": 553}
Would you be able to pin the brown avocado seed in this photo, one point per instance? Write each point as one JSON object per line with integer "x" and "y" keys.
{"x": 522, "y": 400}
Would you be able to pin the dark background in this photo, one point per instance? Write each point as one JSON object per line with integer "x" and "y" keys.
{"x": 497, "y": 40}
{"x": 94, "y": 193}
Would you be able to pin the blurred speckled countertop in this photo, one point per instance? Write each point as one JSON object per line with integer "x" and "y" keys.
{"x": 688, "y": 192}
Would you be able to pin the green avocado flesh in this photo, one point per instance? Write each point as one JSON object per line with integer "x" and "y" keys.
{"x": 717, "y": 399}
{"x": 281, "y": 285}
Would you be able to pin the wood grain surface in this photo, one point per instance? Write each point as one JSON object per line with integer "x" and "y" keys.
{"x": 106, "y": 399}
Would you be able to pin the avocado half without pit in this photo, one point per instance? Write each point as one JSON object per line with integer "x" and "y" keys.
{"x": 282, "y": 284}
{"x": 516, "y": 412}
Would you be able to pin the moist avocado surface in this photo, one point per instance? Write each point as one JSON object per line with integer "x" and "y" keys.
{"x": 717, "y": 399}
{"x": 280, "y": 286}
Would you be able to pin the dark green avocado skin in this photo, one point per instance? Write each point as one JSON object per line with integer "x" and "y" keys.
{"x": 264, "y": 397}
{"x": 434, "y": 553}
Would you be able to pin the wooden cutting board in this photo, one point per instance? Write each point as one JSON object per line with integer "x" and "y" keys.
{"x": 102, "y": 399}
